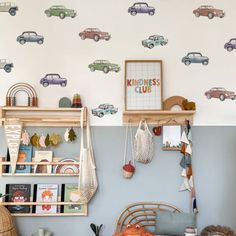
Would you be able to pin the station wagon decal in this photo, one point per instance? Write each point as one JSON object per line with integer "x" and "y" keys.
{"x": 9, "y": 7}
{"x": 6, "y": 65}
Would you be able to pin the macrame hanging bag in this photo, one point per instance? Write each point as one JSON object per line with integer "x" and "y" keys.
{"x": 143, "y": 143}
{"x": 88, "y": 183}
{"x": 128, "y": 163}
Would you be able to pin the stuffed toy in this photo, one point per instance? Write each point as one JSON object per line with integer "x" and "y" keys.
{"x": 188, "y": 105}
{"x": 134, "y": 230}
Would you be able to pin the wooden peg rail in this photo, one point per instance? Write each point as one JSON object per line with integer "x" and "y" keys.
{"x": 158, "y": 117}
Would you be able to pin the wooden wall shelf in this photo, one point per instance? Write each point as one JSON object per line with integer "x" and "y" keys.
{"x": 46, "y": 117}
{"x": 158, "y": 117}
{"x": 85, "y": 213}
{"x": 53, "y": 163}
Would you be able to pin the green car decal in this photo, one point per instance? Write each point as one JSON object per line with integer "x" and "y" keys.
{"x": 60, "y": 11}
{"x": 103, "y": 65}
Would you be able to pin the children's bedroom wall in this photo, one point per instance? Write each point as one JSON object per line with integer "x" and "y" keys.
{"x": 38, "y": 45}
{"x": 63, "y": 50}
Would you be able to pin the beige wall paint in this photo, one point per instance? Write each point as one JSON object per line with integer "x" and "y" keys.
{"x": 65, "y": 53}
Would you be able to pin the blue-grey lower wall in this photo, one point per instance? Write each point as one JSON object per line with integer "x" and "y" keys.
{"x": 214, "y": 161}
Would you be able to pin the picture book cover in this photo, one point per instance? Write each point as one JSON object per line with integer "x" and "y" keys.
{"x": 70, "y": 194}
{"x": 43, "y": 156}
{"x": 45, "y": 193}
{"x": 18, "y": 193}
{"x": 24, "y": 155}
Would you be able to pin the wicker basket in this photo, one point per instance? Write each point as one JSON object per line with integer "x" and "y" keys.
{"x": 7, "y": 227}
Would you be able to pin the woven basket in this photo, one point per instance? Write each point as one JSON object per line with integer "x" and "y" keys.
{"x": 7, "y": 227}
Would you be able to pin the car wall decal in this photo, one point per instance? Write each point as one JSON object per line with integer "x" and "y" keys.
{"x": 60, "y": 11}
{"x": 53, "y": 79}
{"x": 220, "y": 93}
{"x": 103, "y": 65}
{"x": 208, "y": 11}
{"x": 104, "y": 109}
{"x": 195, "y": 57}
{"x": 95, "y": 34}
{"x": 154, "y": 40}
{"x": 9, "y": 7}
{"x": 141, "y": 7}
{"x": 6, "y": 65}
{"x": 230, "y": 45}
{"x": 30, "y": 36}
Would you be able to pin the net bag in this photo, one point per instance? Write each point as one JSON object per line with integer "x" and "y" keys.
{"x": 143, "y": 143}
{"x": 88, "y": 183}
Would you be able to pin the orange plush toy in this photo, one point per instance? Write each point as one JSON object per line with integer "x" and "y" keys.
{"x": 134, "y": 230}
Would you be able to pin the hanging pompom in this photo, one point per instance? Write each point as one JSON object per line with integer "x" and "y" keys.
{"x": 25, "y": 138}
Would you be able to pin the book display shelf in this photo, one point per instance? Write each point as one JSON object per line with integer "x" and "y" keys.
{"x": 43, "y": 117}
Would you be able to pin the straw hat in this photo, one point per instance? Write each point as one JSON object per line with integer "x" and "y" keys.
{"x": 7, "y": 227}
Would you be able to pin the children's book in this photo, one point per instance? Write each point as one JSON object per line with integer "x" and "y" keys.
{"x": 43, "y": 156}
{"x": 24, "y": 155}
{"x": 70, "y": 194}
{"x": 45, "y": 193}
{"x": 18, "y": 193}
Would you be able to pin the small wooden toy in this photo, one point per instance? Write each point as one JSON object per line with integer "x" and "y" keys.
{"x": 76, "y": 102}
{"x": 21, "y": 87}
{"x": 188, "y": 105}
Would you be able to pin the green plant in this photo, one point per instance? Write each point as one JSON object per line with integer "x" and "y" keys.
{"x": 96, "y": 229}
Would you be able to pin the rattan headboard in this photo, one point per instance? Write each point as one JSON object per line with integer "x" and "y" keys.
{"x": 143, "y": 213}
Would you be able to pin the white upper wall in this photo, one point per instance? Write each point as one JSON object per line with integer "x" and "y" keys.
{"x": 65, "y": 53}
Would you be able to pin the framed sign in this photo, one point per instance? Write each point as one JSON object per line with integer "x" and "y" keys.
{"x": 143, "y": 85}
